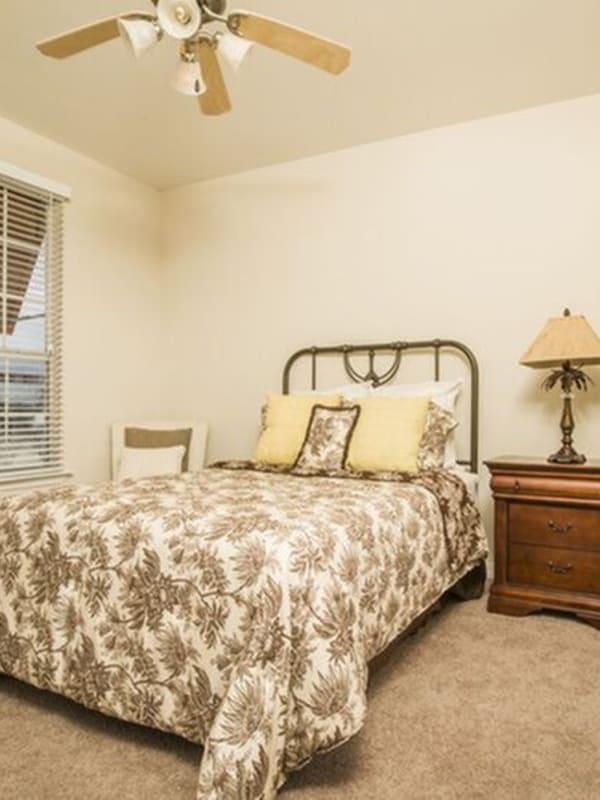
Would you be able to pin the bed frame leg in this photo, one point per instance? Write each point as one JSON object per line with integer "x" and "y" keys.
{"x": 472, "y": 586}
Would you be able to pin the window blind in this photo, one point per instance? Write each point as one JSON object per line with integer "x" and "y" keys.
{"x": 31, "y": 267}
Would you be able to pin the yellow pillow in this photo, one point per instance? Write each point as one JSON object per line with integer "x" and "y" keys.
{"x": 388, "y": 433}
{"x": 286, "y": 422}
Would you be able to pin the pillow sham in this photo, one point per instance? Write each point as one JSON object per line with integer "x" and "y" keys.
{"x": 327, "y": 438}
{"x": 285, "y": 423}
{"x": 349, "y": 391}
{"x": 444, "y": 393}
{"x": 153, "y": 438}
{"x": 388, "y": 434}
{"x": 144, "y": 462}
{"x": 438, "y": 427}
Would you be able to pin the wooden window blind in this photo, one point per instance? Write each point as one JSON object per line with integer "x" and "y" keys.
{"x": 31, "y": 278}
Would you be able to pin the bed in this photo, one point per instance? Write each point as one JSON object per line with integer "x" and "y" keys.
{"x": 238, "y": 606}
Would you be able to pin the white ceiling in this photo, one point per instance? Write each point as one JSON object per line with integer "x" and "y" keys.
{"x": 417, "y": 64}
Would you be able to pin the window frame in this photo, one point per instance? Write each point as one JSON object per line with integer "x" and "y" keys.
{"x": 54, "y": 196}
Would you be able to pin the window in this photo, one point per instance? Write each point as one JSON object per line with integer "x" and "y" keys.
{"x": 31, "y": 431}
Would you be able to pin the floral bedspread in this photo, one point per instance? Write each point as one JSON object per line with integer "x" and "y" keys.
{"x": 236, "y": 607}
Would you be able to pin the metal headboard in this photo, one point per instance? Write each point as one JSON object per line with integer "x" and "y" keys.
{"x": 379, "y": 379}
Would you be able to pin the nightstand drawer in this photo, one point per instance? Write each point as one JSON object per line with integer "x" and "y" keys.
{"x": 545, "y": 486}
{"x": 557, "y": 568}
{"x": 554, "y": 526}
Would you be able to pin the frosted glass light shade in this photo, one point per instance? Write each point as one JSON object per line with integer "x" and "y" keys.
{"x": 234, "y": 48}
{"x": 179, "y": 18}
{"x": 140, "y": 35}
{"x": 188, "y": 79}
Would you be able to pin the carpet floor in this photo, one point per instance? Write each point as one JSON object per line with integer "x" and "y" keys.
{"x": 474, "y": 706}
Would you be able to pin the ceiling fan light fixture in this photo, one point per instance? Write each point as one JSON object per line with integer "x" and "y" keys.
{"x": 139, "y": 35}
{"x": 199, "y": 71}
{"x": 233, "y": 48}
{"x": 181, "y": 19}
{"x": 188, "y": 78}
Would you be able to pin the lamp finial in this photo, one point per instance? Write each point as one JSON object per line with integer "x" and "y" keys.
{"x": 567, "y": 313}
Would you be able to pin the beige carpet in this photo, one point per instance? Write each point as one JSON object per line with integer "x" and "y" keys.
{"x": 474, "y": 706}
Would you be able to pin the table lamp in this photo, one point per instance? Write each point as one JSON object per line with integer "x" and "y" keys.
{"x": 565, "y": 343}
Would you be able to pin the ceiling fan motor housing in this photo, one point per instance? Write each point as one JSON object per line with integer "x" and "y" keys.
{"x": 216, "y": 6}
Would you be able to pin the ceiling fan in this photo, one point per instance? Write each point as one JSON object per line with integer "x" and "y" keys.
{"x": 203, "y": 29}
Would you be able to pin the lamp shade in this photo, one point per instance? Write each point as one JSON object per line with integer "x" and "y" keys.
{"x": 140, "y": 35}
{"x": 566, "y": 338}
{"x": 188, "y": 78}
{"x": 233, "y": 48}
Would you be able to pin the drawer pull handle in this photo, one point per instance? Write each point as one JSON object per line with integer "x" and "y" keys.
{"x": 517, "y": 486}
{"x": 559, "y": 569}
{"x": 558, "y": 528}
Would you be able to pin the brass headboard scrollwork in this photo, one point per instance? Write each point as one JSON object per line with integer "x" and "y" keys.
{"x": 376, "y": 378}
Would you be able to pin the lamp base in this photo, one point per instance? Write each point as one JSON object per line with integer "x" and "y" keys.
{"x": 567, "y": 455}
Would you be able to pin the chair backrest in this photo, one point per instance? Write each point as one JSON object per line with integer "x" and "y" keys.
{"x": 197, "y": 450}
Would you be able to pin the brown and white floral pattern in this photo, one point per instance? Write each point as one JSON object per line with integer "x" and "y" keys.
{"x": 327, "y": 438}
{"x": 432, "y": 448}
{"x": 237, "y": 607}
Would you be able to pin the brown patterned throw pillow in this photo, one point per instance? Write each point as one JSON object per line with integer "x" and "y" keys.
{"x": 327, "y": 438}
{"x": 438, "y": 427}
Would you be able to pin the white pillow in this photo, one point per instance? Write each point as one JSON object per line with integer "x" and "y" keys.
{"x": 443, "y": 393}
{"x": 143, "y": 462}
{"x": 350, "y": 391}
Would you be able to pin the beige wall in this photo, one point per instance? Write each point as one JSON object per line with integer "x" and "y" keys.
{"x": 112, "y": 295}
{"x": 478, "y": 232}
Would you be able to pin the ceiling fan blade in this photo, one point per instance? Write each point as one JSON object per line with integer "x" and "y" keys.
{"x": 215, "y": 99}
{"x": 75, "y": 41}
{"x": 322, "y": 53}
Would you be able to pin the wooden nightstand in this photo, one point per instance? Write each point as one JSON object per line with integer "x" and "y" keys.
{"x": 547, "y": 537}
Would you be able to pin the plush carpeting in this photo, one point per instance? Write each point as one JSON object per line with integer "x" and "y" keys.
{"x": 474, "y": 706}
